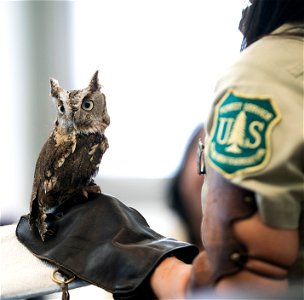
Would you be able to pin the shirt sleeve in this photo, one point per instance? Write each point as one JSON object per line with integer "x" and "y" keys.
{"x": 256, "y": 129}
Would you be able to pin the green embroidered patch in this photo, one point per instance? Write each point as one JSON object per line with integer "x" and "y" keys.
{"x": 240, "y": 138}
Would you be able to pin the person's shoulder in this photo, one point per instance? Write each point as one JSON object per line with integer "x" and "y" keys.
{"x": 276, "y": 51}
{"x": 273, "y": 59}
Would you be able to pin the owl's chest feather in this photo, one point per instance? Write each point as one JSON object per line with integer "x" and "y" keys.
{"x": 69, "y": 162}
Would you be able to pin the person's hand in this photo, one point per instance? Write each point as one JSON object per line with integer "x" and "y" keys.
{"x": 170, "y": 279}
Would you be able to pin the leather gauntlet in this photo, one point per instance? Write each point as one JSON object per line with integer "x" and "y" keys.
{"x": 106, "y": 243}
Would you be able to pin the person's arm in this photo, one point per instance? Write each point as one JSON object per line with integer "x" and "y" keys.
{"x": 279, "y": 246}
{"x": 171, "y": 278}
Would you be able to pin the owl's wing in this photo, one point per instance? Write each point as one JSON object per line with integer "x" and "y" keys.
{"x": 51, "y": 158}
{"x": 69, "y": 165}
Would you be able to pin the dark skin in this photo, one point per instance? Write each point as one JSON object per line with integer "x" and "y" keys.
{"x": 190, "y": 188}
{"x": 171, "y": 278}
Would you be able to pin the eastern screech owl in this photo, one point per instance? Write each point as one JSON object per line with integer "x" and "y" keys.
{"x": 70, "y": 158}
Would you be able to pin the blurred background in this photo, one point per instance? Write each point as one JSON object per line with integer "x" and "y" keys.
{"x": 158, "y": 62}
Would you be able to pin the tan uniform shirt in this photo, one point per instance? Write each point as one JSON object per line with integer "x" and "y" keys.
{"x": 256, "y": 128}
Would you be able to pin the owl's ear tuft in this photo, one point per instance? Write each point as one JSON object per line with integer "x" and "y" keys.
{"x": 54, "y": 87}
{"x": 94, "y": 83}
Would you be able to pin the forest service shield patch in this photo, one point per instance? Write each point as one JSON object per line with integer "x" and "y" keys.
{"x": 240, "y": 137}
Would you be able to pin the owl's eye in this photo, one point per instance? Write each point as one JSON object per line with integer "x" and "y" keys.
{"x": 61, "y": 109}
{"x": 87, "y": 105}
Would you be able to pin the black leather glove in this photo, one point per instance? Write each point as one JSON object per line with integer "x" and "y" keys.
{"x": 106, "y": 243}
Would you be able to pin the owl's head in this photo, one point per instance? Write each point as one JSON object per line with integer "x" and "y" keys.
{"x": 82, "y": 111}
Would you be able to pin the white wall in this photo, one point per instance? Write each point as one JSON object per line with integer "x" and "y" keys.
{"x": 36, "y": 43}
{"x": 158, "y": 62}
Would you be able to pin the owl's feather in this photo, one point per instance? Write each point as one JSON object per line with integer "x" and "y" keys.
{"x": 70, "y": 158}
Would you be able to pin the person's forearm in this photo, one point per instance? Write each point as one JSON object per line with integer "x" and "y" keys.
{"x": 170, "y": 279}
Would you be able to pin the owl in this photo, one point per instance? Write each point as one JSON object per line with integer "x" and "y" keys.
{"x": 70, "y": 158}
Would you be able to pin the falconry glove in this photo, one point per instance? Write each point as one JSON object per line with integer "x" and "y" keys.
{"x": 103, "y": 242}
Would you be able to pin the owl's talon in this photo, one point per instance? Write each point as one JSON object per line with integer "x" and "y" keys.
{"x": 42, "y": 232}
{"x": 91, "y": 189}
{"x": 42, "y": 226}
{"x": 31, "y": 222}
{"x": 50, "y": 232}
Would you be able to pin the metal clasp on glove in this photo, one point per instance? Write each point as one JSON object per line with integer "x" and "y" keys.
{"x": 63, "y": 282}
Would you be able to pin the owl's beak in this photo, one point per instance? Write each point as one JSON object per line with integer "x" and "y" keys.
{"x": 74, "y": 111}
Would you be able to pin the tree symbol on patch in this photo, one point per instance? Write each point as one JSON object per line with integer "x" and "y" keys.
{"x": 237, "y": 135}
{"x": 240, "y": 139}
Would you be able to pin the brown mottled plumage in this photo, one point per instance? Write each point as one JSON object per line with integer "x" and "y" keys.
{"x": 70, "y": 158}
